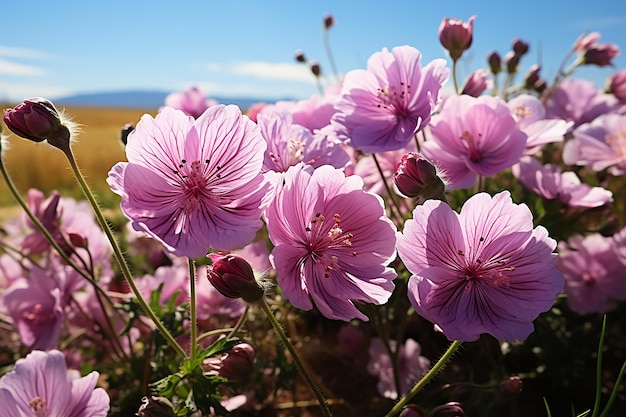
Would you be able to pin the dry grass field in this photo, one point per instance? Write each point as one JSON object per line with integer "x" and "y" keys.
{"x": 97, "y": 149}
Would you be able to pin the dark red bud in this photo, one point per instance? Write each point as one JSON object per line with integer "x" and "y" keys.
{"x": 233, "y": 277}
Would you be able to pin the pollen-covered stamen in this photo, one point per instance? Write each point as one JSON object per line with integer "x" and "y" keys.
{"x": 394, "y": 99}
{"x": 617, "y": 141}
{"x": 293, "y": 155}
{"x": 474, "y": 154}
{"x": 521, "y": 112}
{"x": 37, "y": 315}
{"x": 38, "y": 405}
{"x": 195, "y": 179}
{"x": 492, "y": 272}
{"x": 323, "y": 238}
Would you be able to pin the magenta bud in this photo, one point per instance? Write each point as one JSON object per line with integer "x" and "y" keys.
{"x": 477, "y": 83}
{"x": 617, "y": 85}
{"x": 329, "y": 21}
{"x": 238, "y": 363}
{"x": 495, "y": 62}
{"x": 233, "y": 277}
{"x": 456, "y": 35}
{"x": 299, "y": 56}
{"x": 156, "y": 407}
{"x": 315, "y": 68}
{"x": 585, "y": 41}
{"x": 37, "y": 119}
{"x": 511, "y": 60}
{"x": 416, "y": 176}
{"x": 520, "y": 47}
{"x": 451, "y": 409}
{"x": 601, "y": 54}
{"x": 512, "y": 385}
{"x": 412, "y": 410}
{"x": 532, "y": 77}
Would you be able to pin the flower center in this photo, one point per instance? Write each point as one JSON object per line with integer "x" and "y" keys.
{"x": 294, "y": 154}
{"x": 617, "y": 141}
{"x": 322, "y": 238}
{"x": 194, "y": 178}
{"x": 521, "y": 112}
{"x": 492, "y": 272}
{"x": 394, "y": 99}
{"x": 38, "y": 405}
{"x": 474, "y": 153}
{"x": 37, "y": 315}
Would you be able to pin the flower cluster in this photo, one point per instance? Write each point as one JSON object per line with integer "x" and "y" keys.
{"x": 413, "y": 214}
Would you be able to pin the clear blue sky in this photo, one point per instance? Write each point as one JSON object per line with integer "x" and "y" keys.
{"x": 246, "y": 48}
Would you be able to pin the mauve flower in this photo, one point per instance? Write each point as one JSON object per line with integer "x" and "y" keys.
{"x": 456, "y": 35}
{"x": 411, "y": 366}
{"x": 585, "y": 41}
{"x": 579, "y": 101}
{"x": 381, "y": 108}
{"x": 530, "y": 114}
{"x": 332, "y": 242}
{"x": 477, "y": 83}
{"x": 472, "y": 137}
{"x": 619, "y": 245}
{"x": 416, "y": 176}
{"x": 39, "y": 385}
{"x": 485, "y": 270}
{"x": 595, "y": 279}
{"x": 193, "y": 184}
{"x": 549, "y": 182}
{"x": 617, "y": 85}
{"x": 192, "y": 101}
{"x": 289, "y": 144}
{"x": 173, "y": 280}
{"x": 600, "y": 144}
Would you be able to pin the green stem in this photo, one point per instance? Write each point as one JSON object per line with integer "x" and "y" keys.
{"x": 296, "y": 359}
{"x": 329, "y": 52}
{"x": 394, "y": 203}
{"x": 426, "y": 379}
{"x": 192, "y": 307}
{"x": 240, "y": 322}
{"x": 454, "y": 79}
{"x": 117, "y": 252}
{"x": 596, "y": 405}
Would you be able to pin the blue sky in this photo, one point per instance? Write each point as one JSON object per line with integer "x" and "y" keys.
{"x": 246, "y": 48}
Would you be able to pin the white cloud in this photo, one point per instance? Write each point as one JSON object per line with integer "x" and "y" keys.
{"x": 212, "y": 66}
{"x": 14, "y": 52}
{"x": 17, "y": 92}
{"x": 284, "y": 71}
{"x": 13, "y": 68}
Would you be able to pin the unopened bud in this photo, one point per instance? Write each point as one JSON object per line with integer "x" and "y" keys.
{"x": 520, "y": 47}
{"x": 495, "y": 62}
{"x": 329, "y": 21}
{"x": 315, "y": 68}
{"x": 412, "y": 410}
{"x": 617, "y": 85}
{"x": 299, "y": 56}
{"x": 238, "y": 363}
{"x": 37, "y": 119}
{"x": 126, "y": 130}
{"x": 451, "y": 409}
{"x": 511, "y": 60}
{"x": 416, "y": 176}
{"x": 233, "y": 277}
{"x": 601, "y": 54}
{"x": 156, "y": 407}
{"x": 532, "y": 77}
{"x": 477, "y": 83}
{"x": 456, "y": 35}
{"x": 512, "y": 385}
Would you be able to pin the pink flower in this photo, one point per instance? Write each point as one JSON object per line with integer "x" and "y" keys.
{"x": 472, "y": 137}
{"x": 192, "y": 102}
{"x": 411, "y": 366}
{"x": 619, "y": 245}
{"x": 617, "y": 85}
{"x": 39, "y": 385}
{"x": 594, "y": 276}
{"x": 289, "y": 144}
{"x": 585, "y": 41}
{"x": 549, "y": 182}
{"x": 600, "y": 144}
{"x": 595, "y": 53}
{"x": 381, "y": 108}
{"x": 485, "y": 270}
{"x": 456, "y": 35}
{"x": 477, "y": 83}
{"x": 530, "y": 115}
{"x": 332, "y": 242}
{"x": 193, "y": 184}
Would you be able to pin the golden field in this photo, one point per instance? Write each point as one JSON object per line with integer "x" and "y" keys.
{"x": 97, "y": 148}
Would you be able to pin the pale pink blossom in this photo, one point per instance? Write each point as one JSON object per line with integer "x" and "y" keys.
{"x": 595, "y": 279}
{"x": 193, "y": 184}
{"x": 40, "y": 385}
{"x": 530, "y": 114}
{"x": 485, "y": 270}
{"x": 473, "y": 136}
{"x": 550, "y": 182}
{"x": 600, "y": 145}
{"x": 332, "y": 242}
{"x": 191, "y": 101}
{"x": 381, "y": 108}
{"x": 412, "y": 366}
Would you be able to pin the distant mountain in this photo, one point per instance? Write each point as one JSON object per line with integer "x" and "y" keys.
{"x": 141, "y": 100}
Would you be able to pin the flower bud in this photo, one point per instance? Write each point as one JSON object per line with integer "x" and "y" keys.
{"x": 156, "y": 407}
{"x": 456, "y": 35}
{"x": 512, "y": 385}
{"x": 412, "y": 410}
{"x": 299, "y": 56}
{"x": 451, "y": 409}
{"x": 477, "y": 83}
{"x": 233, "y": 277}
{"x": 585, "y": 41}
{"x": 495, "y": 62}
{"x": 532, "y": 77}
{"x": 520, "y": 47}
{"x": 238, "y": 363}
{"x": 511, "y": 60}
{"x": 315, "y": 68}
{"x": 617, "y": 85}
{"x": 329, "y": 21}
{"x": 37, "y": 119}
{"x": 416, "y": 176}
{"x": 600, "y": 54}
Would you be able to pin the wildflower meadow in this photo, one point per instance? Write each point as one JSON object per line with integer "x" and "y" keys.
{"x": 401, "y": 244}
